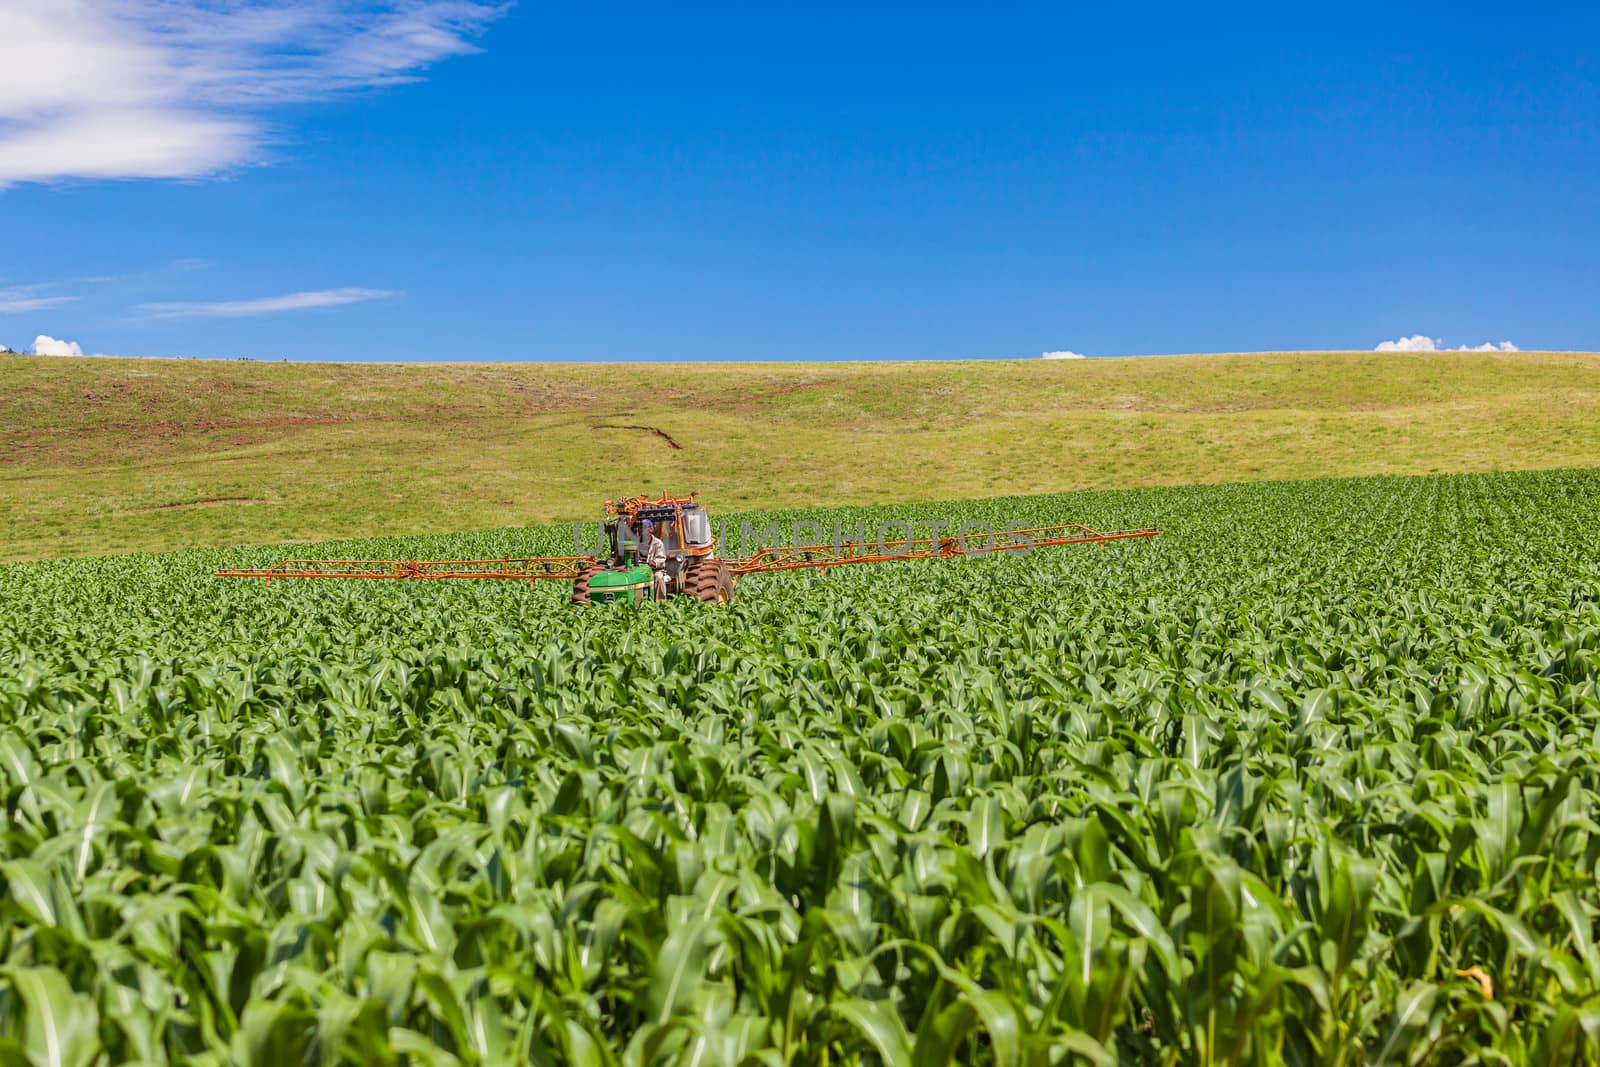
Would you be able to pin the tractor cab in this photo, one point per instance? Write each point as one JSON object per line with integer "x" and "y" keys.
{"x": 685, "y": 530}
{"x": 683, "y": 526}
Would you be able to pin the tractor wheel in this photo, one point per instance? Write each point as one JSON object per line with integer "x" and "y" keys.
{"x": 726, "y": 583}
{"x": 580, "y": 584}
{"x": 708, "y": 580}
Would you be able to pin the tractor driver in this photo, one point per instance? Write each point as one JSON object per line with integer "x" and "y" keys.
{"x": 655, "y": 555}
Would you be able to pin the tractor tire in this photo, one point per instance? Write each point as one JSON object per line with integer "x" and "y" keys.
{"x": 708, "y": 580}
{"x": 580, "y": 584}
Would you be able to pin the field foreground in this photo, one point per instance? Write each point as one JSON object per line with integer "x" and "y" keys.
{"x": 1309, "y": 779}
{"x": 122, "y": 455}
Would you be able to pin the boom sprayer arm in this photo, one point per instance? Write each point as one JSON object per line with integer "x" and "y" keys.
{"x": 810, "y": 557}
{"x": 532, "y": 569}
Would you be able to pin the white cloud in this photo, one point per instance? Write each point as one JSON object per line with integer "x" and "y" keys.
{"x": 233, "y": 309}
{"x": 180, "y": 88}
{"x": 1415, "y": 343}
{"x": 1063, "y": 354}
{"x": 1419, "y": 343}
{"x": 29, "y": 298}
{"x": 49, "y": 346}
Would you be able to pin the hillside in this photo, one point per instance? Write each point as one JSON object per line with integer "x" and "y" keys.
{"x": 119, "y": 455}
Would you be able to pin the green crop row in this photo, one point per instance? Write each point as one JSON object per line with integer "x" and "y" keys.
{"x": 1310, "y": 779}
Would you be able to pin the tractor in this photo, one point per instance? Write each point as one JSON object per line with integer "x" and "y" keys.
{"x": 693, "y": 568}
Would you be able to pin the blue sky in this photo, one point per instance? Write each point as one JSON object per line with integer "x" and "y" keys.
{"x": 453, "y": 179}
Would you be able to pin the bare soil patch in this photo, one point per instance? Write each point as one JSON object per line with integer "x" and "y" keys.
{"x": 204, "y": 502}
{"x": 647, "y": 429}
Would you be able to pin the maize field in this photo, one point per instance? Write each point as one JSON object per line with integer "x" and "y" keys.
{"x": 1312, "y": 778}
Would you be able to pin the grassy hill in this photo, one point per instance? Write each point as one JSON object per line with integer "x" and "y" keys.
{"x": 117, "y": 455}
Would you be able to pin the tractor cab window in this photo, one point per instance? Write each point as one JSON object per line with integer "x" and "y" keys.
{"x": 696, "y": 527}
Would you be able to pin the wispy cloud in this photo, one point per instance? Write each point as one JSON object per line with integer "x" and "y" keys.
{"x": 183, "y": 88}
{"x": 30, "y": 298}
{"x": 1418, "y": 342}
{"x": 270, "y": 305}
